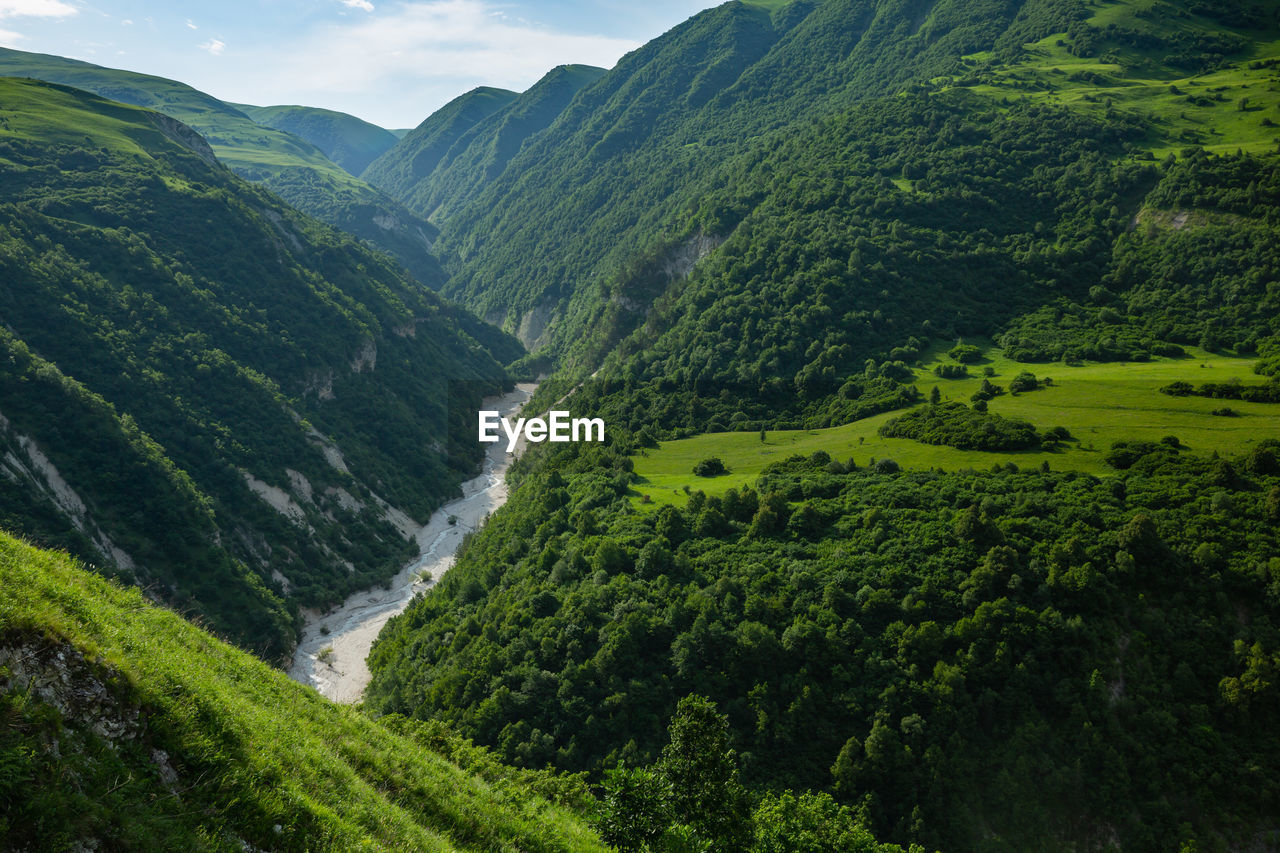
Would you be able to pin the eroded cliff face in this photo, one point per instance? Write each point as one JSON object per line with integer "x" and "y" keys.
{"x": 87, "y": 698}
{"x": 630, "y": 298}
{"x": 74, "y": 725}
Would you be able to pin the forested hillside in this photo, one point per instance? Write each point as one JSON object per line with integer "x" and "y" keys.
{"x": 293, "y": 168}
{"x": 205, "y": 392}
{"x": 664, "y": 156}
{"x": 797, "y": 216}
{"x": 625, "y": 166}
{"x": 1042, "y": 659}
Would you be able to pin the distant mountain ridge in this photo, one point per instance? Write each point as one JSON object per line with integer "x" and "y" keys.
{"x": 295, "y": 169}
{"x": 421, "y": 150}
{"x": 475, "y": 155}
{"x": 350, "y": 142}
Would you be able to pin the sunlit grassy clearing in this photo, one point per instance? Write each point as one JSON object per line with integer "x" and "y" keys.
{"x": 1098, "y": 403}
{"x": 1234, "y": 107}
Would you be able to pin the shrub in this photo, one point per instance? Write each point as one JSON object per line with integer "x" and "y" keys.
{"x": 712, "y": 466}
{"x": 1024, "y": 381}
{"x": 956, "y": 425}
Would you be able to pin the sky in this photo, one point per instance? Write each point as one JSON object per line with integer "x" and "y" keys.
{"x": 391, "y": 62}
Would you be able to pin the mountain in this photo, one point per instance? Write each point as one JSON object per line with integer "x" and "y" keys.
{"x": 346, "y": 140}
{"x": 193, "y": 368}
{"x": 420, "y": 151}
{"x": 483, "y": 151}
{"x": 129, "y": 728}
{"x": 292, "y": 168}
{"x": 630, "y": 168}
{"x": 937, "y": 347}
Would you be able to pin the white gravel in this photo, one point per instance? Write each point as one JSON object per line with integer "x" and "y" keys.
{"x": 353, "y": 626}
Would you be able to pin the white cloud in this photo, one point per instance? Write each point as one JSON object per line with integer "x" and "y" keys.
{"x": 401, "y": 65}
{"x": 191, "y": 25}
{"x": 358, "y": 4}
{"x": 35, "y": 9}
{"x": 8, "y": 38}
{"x": 214, "y": 46}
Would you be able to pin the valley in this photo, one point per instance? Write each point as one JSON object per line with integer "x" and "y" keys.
{"x": 936, "y": 346}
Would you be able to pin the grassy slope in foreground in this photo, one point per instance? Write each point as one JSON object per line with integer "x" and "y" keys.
{"x": 128, "y": 726}
{"x": 1097, "y": 403}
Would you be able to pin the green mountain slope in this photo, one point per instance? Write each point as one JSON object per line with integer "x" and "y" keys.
{"x": 420, "y": 151}
{"x": 631, "y": 168}
{"x": 128, "y": 728}
{"x": 294, "y": 169}
{"x": 346, "y": 140}
{"x": 225, "y": 401}
{"x": 858, "y": 195}
{"x": 482, "y": 152}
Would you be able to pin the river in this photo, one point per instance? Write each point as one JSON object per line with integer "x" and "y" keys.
{"x": 331, "y": 656}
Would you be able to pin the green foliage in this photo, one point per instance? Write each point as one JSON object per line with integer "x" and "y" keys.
{"x": 126, "y": 727}
{"x": 810, "y": 823}
{"x": 456, "y": 152}
{"x": 965, "y": 353}
{"x": 951, "y": 371}
{"x": 702, "y": 771}
{"x": 1269, "y": 393}
{"x": 957, "y": 425}
{"x": 1025, "y": 381}
{"x": 636, "y": 810}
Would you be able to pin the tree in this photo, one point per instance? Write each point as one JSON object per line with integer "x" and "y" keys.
{"x": 636, "y": 810}
{"x": 703, "y": 774}
{"x": 810, "y": 823}
{"x": 935, "y": 396}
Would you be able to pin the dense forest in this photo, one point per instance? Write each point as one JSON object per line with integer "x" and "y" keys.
{"x": 1048, "y": 658}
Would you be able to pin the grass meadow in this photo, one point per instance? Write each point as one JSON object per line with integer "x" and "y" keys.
{"x": 1098, "y": 403}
